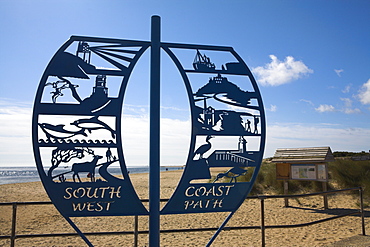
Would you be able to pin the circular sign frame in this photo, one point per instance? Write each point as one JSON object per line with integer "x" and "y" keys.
{"x": 76, "y": 133}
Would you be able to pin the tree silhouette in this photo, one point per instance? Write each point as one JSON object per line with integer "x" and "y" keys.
{"x": 60, "y": 155}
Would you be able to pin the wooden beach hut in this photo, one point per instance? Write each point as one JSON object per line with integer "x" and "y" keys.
{"x": 303, "y": 164}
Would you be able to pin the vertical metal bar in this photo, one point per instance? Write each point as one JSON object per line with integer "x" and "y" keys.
{"x": 154, "y": 145}
{"x": 136, "y": 230}
{"x": 263, "y": 221}
{"x": 362, "y": 211}
{"x": 14, "y": 223}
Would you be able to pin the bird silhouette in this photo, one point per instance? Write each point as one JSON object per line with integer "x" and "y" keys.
{"x": 204, "y": 148}
{"x": 233, "y": 173}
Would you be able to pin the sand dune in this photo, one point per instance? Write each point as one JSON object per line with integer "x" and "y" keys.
{"x": 46, "y": 219}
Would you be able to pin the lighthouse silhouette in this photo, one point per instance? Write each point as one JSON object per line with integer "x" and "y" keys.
{"x": 99, "y": 95}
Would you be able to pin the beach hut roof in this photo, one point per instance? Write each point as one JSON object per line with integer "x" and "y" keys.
{"x": 303, "y": 155}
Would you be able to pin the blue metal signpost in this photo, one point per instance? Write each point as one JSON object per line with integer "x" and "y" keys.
{"x": 78, "y": 134}
{"x": 154, "y": 152}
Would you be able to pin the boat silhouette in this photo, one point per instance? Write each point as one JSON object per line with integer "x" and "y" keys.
{"x": 203, "y": 63}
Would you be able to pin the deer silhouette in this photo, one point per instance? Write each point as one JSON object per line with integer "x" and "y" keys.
{"x": 85, "y": 167}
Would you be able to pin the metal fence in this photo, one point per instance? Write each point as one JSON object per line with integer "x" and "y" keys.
{"x": 136, "y": 232}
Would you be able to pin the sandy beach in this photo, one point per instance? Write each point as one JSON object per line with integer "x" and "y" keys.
{"x": 36, "y": 219}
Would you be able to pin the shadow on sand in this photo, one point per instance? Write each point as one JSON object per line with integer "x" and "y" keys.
{"x": 333, "y": 211}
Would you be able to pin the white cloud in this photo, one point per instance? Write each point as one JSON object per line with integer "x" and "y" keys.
{"x": 289, "y": 135}
{"x": 347, "y": 89}
{"x": 135, "y": 110}
{"x": 175, "y": 139}
{"x": 364, "y": 94}
{"x": 279, "y": 72}
{"x": 16, "y": 147}
{"x": 325, "y": 108}
{"x": 347, "y": 109}
{"x": 351, "y": 111}
{"x": 273, "y": 108}
{"x": 15, "y": 134}
{"x": 307, "y": 101}
{"x": 16, "y": 143}
{"x": 348, "y": 106}
{"x": 347, "y": 102}
{"x": 338, "y": 72}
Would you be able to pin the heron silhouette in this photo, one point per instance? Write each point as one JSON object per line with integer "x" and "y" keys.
{"x": 204, "y": 148}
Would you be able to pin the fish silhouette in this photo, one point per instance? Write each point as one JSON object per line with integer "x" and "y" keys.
{"x": 58, "y": 131}
{"x": 93, "y": 123}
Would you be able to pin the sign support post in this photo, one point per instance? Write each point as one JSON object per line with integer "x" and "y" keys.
{"x": 286, "y": 191}
{"x": 154, "y": 145}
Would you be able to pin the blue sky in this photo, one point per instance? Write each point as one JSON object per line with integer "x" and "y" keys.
{"x": 311, "y": 60}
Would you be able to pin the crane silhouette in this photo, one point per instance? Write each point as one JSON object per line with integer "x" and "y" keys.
{"x": 204, "y": 148}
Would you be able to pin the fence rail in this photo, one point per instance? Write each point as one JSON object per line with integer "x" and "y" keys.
{"x": 263, "y": 227}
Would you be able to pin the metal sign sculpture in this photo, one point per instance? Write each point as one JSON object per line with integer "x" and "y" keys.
{"x": 75, "y": 134}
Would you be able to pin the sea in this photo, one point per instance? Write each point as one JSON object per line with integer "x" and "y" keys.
{"x": 10, "y": 175}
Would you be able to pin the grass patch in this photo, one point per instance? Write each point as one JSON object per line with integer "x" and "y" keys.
{"x": 343, "y": 173}
{"x": 348, "y": 174}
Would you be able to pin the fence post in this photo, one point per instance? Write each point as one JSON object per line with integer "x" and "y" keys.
{"x": 325, "y": 188}
{"x": 263, "y": 220}
{"x": 362, "y": 211}
{"x": 14, "y": 222}
{"x": 136, "y": 230}
{"x": 286, "y": 191}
